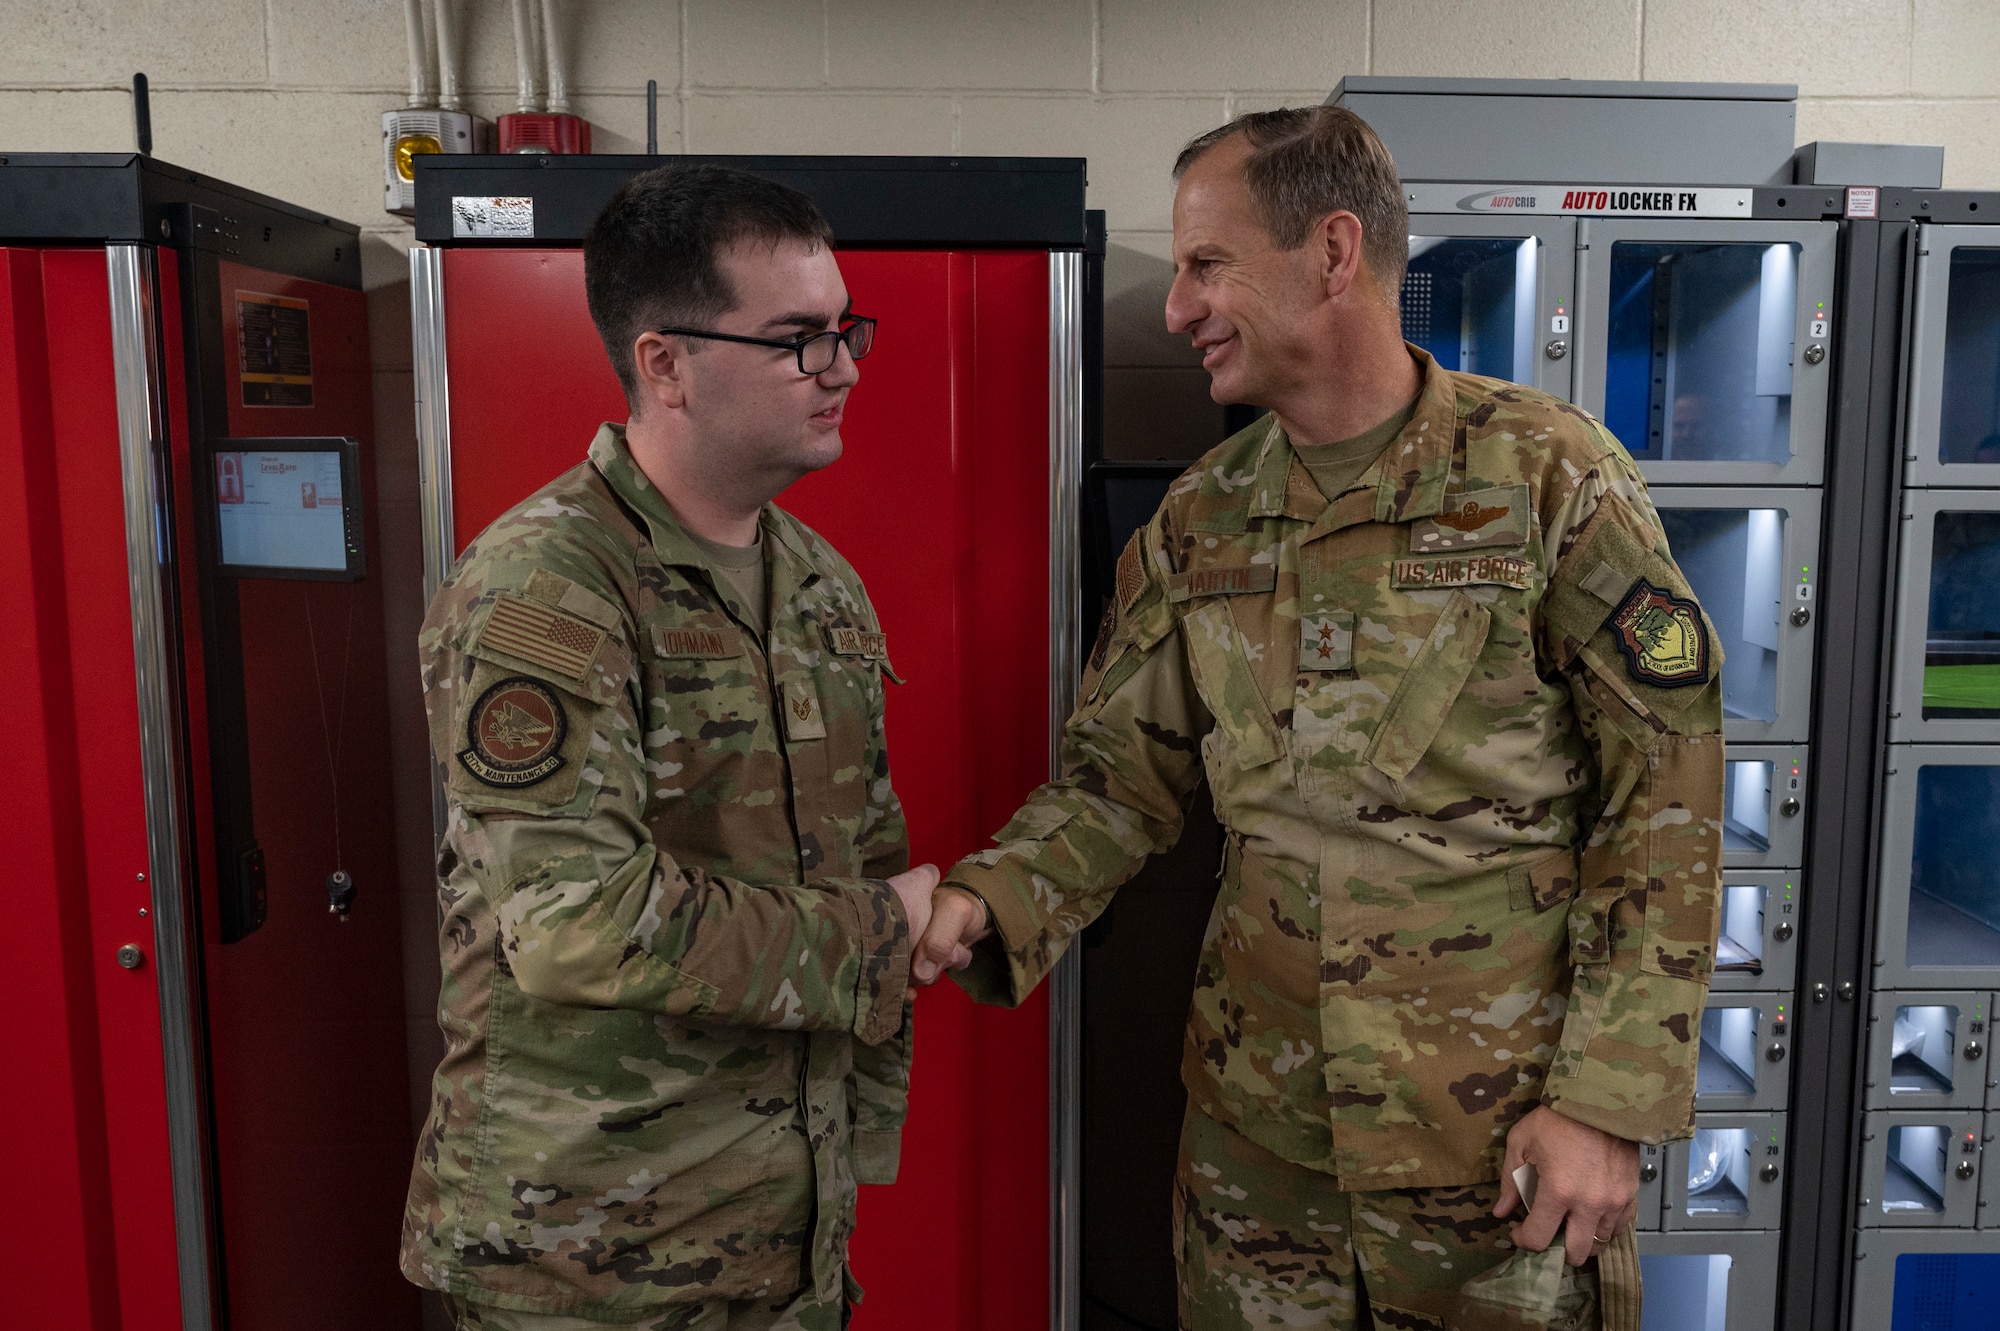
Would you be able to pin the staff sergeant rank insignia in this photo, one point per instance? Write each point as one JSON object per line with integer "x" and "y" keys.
{"x": 515, "y": 735}
{"x": 1661, "y": 637}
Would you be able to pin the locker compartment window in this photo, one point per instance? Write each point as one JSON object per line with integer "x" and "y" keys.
{"x": 1739, "y": 946}
{"x": 1728, "y": 1059}
{"x": 1699, "y": 348}
{"x": 1469, "y": 301}
{"x": 1746, "y": 805}
{"x": 1922, "y": 1050}
{"x": 1734, "y": 560}
{"x": 1969, "y": 416}
{"x": 1935, "y": 1291}
{"x": 1718, "y": 1180}
{"x": 1962, "y": 634}
{"x": 1954, "y": 876}
{"x": 1684, "y": 1292}
{"x": 1914, "y": 1180}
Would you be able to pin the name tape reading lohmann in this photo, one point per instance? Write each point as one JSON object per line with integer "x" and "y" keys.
{"x": 492, "y": 218}
{"x": 1560, "y": 200}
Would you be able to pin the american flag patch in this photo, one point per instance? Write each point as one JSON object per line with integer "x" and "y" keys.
{"x": 541, "y": 635}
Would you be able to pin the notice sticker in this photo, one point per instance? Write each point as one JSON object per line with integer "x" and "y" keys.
{"x": 274, "y": 350}
{"x": 496, "y": 218}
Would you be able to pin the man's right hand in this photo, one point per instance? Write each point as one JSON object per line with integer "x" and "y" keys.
{"x": 958, "y": 920}
{"x": 913, "y": 888}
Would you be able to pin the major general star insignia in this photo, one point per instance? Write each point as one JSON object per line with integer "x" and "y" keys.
{"x": 1326, "y": 642}
{"x": 515, "y": 734}
{"x": 1661, "y": 637}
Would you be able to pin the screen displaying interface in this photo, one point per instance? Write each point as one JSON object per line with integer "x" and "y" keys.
{"x": 281, "y": 510}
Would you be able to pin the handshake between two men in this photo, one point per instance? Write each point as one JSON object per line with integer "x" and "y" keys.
{"x": 944, "y": 923}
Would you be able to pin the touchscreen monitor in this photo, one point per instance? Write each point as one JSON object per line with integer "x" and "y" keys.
{"x": 288, "y": 508}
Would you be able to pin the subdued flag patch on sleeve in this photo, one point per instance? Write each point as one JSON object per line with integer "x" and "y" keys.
{"x": 540, "y": 635}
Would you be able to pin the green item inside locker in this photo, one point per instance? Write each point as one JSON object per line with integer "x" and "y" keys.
{"x": 1961, "y": 691}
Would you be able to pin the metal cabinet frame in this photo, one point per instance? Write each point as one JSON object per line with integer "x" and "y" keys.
{"x": 1555, "y": 279}
{"x": 1892, "y": 915}
{"x": 1810, "y": 380}
{"x": 1913, "y": 598}
{"x": 1971, "y": 1049}
{"x": 1925, "y": 387}
{"x": 1965, "y": 1127}
{"x": 1798, "y": 589}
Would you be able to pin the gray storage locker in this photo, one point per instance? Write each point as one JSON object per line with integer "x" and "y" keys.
{"x": 1652, "y": 1188}
{"x": 1947, "y": 675}
{"x": 1950, "y": 1280}
{"x": 1937, "y": 922}
{"x": 1920, "y": 1167}
{"x": 1745, "y": 1053}
{"x": 1730, "y": 1175}
{"x": 1751, "y": 556}
{"x": 1952, "y": 424}
{"x": 1929, "y": 1049}
{"x": 1763, "y": 823}
{"x": 1492, "y": 295}
{"x": 1756, "y": 947}
{"x": 1714, "y": 1281}
{"x": 1703, "y": 345}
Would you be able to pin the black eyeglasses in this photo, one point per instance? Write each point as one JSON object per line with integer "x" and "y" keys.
{"x": 816, "y": 351}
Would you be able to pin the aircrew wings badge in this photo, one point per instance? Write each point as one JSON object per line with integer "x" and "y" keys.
{"x": 1661, "y": 637}
{"x": 515, "y": 734}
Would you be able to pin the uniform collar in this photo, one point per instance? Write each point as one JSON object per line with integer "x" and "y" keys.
{"x": 791, "y": 561}
{"x": 1408, "y": 480}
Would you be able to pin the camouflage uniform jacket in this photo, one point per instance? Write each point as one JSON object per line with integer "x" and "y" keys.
{"x": 1462, "y": 729}
{"x": 675, "y": 997}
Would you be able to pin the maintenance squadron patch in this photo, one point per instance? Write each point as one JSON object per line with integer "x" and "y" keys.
{"x": 515, "y": 735}
{"x": 1661, "y": 637}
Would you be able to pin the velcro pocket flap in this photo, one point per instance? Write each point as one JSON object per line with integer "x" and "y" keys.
{"x": 1546, "y": 882}
{"x": 1430, "y": 686}
{"x": 1218, "y": 651}
{"x": 1035, "y": 822}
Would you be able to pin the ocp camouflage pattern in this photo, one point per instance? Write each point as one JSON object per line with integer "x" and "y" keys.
{"x": 1471, "y": 862}
{"x": 675, "y": 992}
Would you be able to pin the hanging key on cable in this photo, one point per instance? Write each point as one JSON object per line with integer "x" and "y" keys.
{"x": 340, "y": 893}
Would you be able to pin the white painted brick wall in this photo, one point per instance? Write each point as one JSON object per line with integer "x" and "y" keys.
{"x": 285, "y": 95}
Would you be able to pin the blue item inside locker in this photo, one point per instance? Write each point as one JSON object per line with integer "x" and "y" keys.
{"x": 1734, "y": 559}
{"x": 1954, "y": 877}
{"x": 1962, "y": 632}
{"x": 1935, "y": 1291}
{"x": 1469, "y": 301}
{"x": 1969, "y": 418}
{"x": 1687, "y": 1292}
{"x": 1698, "y": 351}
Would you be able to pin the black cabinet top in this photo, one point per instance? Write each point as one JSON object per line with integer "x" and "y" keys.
{"x": 871, "y": 202}
{"x": 111, "y": 197}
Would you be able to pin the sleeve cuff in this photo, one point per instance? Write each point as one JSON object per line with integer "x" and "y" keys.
{"x": 882, "y": 936}
{"x": 996, "y": 975}
{"x": 876, "y": 1154}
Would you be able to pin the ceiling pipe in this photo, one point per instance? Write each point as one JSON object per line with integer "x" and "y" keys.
{"x": 449, "y": 95}
{"x": 555, "y": 57}
{"x": 423, "y": 84}
{"x": 524, "y": 55}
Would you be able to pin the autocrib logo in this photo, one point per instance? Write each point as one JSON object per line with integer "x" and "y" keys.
{"x": 1580, "y": 200}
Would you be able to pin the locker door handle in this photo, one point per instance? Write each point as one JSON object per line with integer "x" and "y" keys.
{"x": 1973, "y": 1049}
{"x": 130, "y": 957}
{"x": 1964, "y": 1169}
{"x": 1769, "y": 1173}
{"x": 1647, "y": 1173}
{"x": 1556, "y": 349}
{"x": 1782, "y": 931}
{"x": 1790, "y": 808}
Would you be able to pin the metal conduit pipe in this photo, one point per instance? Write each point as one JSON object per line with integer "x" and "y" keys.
{"x": 423, "y": 89}
{"x": 449, "y": 96}
{"x": 524, "y": 56}
{"x": 554, "y": 57}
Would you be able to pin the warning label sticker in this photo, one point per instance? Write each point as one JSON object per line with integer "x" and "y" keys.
{"x": 274, "y": 350}
{"x": 493, "y": 218}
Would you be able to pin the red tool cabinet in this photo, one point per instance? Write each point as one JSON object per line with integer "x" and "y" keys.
{"x": 955, "y": 499}
{"x": 208, "y": 1109}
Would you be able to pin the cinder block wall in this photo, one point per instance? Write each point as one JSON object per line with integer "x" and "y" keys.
{"x": 286, "y": 95}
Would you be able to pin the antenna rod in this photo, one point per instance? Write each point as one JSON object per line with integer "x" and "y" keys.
{"x": 142, "y": 115}
{"x": 652, "y": 117}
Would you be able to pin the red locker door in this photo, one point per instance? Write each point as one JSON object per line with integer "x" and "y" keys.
{"x": 941, "y": 502}
{"x": 86, "y": 1106}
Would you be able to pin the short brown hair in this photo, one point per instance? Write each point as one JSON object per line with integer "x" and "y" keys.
{"x": 649, "y": 258}
{"x": 1308, "y": 161}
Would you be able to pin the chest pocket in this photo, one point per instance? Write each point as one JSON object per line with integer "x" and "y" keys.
{"x": 1219, "y": 651}
{"x": 1429, "y": 686}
